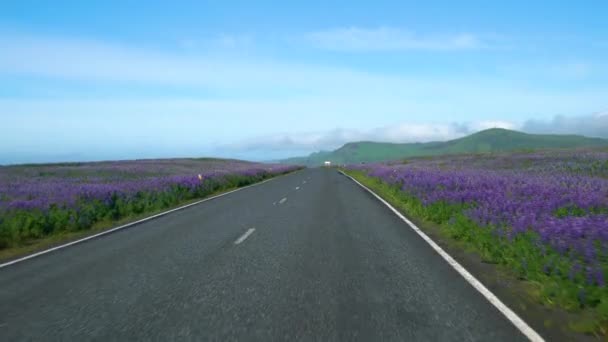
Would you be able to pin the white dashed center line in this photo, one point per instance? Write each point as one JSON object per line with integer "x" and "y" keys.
{"x": 283, "y": 200}
{"x": 244, "y": 236}
{"x": 297, "y": 188}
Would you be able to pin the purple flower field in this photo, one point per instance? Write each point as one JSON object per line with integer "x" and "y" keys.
{"x": 37, "y": 200}
{"x": 561, "y": 197}
{"x": 38, "y": 187}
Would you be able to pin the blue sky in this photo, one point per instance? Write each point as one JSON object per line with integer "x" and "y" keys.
{"x": 261, "y": 80}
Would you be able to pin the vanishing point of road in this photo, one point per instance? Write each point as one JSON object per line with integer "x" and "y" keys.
{"x": 306, "y": 256}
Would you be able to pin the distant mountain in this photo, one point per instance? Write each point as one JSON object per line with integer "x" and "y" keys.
{"x": 491, "y": 140}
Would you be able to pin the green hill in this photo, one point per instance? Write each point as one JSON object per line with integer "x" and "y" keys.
{"x": 491, "y": 140}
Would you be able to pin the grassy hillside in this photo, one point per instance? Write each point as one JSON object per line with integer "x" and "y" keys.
{"x": 491, "y": 140}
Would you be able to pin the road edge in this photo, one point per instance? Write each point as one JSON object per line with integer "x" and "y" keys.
{"x": 130, "y": 224}
{"x": 517, "y": 321}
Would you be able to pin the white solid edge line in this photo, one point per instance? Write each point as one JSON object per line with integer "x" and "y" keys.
{"x": 109, "y": 231}
{"x": 492, "y": 298}
{"x": 244, "y": 236}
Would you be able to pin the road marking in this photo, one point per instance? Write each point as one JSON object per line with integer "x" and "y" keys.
{"x": 244, "y": 236}
{"x": 503, "y": 308}
{"x": 110, "y": 231}
{"x": 303, "y": 182}
{"x": 283, "y": 200}
{"x": 297, "y": 188}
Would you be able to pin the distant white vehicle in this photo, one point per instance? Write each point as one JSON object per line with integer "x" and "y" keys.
{"x": 327, "y": 163}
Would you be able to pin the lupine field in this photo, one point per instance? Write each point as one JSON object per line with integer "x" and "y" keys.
{"x": 41, "y": 200}
{"x": 544, "y": 215}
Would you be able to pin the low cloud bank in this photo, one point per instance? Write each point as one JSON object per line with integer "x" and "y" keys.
{"x": 328, "y": 140}
{"x": 594, "y": 125}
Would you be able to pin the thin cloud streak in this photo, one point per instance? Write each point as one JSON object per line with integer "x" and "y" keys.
{"x": 90, "y": 60}
{"x": 390, "y": 39}
{"x": 93, "y": 62}
{"x": 97, "y": 61}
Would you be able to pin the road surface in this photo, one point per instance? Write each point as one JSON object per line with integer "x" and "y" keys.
{"x": 307, "y": 256}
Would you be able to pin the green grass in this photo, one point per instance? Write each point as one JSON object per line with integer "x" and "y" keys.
{"x": 492, "y": 140}
{"x": 520, "y": 257}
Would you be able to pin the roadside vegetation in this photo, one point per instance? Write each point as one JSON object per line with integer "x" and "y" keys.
{"x": 45, "y": 202}
{"x": 542, "y": 216}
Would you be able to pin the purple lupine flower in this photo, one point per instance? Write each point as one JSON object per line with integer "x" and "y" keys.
{"x": 599, "y": 277}
{"x": 562, "y": 196}
{"x": 64, "y": 185}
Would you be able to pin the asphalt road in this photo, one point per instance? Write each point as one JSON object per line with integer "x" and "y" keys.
{"x": 326, "y": 261}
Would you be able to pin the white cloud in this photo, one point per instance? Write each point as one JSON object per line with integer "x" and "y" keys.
{"x": 390, "y": 39}
{"x": 415, "y": 132}
{"x": 478, "y": 126}
{"x": 404, "y": 132}
{"x": 593, "y": 125}
{"x": 466, "y": 98}
{"x": 90, "y": 60}
{"x": 97, "y": 61}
